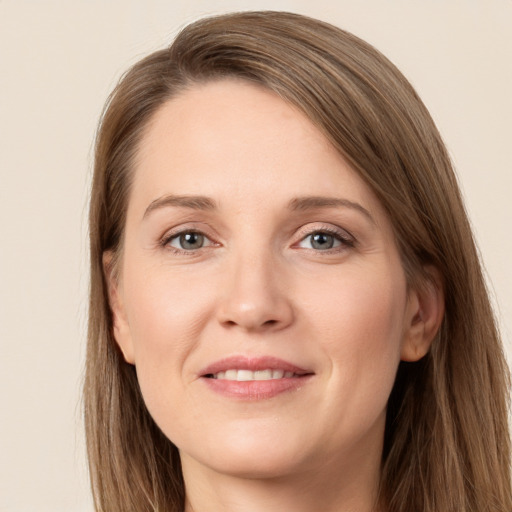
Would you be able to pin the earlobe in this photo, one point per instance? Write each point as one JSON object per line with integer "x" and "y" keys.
{"x": 121, "y": 327}
{"x": 425, "y": 311}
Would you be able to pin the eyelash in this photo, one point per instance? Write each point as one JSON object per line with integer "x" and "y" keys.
{"x": 169, "y": 237}
{"x": 346, "y": 240}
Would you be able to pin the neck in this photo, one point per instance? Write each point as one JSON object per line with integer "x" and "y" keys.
{"x": 330, "y": 487}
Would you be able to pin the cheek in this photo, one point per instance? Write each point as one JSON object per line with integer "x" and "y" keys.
{"x": 359, "y": 318}
{"x": 167, "y": 310}
{"x": 167, "y": 316}
{"x": 366, "y": 305}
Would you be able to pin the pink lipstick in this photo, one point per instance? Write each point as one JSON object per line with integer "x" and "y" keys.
{"x": 254, "y": 378}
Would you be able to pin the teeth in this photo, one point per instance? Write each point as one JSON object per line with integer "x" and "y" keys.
{"x": 231, "y": 375}
{"x": 262, "y": 375}
{"x": 247, "y": 375}
{"x": 277, "y": 374}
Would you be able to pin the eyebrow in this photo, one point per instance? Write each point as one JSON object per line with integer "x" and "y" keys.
{"x": 192, "y": 202}
{"x": 320, "y": 202}
{"x": 297, "y": 204}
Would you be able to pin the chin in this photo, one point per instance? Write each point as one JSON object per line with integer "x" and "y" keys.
{"x": 264, "y": 466}
{"x": 249, "y": 454}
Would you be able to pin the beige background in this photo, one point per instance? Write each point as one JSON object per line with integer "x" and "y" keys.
{"x": 59, "y": 60}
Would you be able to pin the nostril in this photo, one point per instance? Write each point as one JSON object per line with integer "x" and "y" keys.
{"x": 256, "y": 314}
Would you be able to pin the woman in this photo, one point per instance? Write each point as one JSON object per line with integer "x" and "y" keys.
{"x": 287, "y": 308}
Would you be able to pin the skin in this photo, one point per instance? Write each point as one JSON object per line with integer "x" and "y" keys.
{"x": 258, "y": 286}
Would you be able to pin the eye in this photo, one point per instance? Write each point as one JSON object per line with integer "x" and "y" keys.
{"x": 324, "y": 240}
{"x": 188, "y": 241}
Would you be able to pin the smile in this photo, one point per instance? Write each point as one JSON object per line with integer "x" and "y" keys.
{"x": 254, "y": 377}
{"x": 248, "y": 375}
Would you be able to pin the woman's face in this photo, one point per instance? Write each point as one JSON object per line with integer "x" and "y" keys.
{"x": 261, "y": 295}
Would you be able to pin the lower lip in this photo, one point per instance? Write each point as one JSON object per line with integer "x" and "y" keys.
{"x": 256, "y": 389}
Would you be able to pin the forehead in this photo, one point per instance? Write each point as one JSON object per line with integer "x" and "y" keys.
{"x": 237, "y": 141}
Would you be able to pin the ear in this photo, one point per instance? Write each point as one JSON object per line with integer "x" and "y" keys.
{"x": 121, "y": 326}
{"x": 425, "y": 311}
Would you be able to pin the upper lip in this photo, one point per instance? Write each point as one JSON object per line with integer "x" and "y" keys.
{"x": 253, "y": 363}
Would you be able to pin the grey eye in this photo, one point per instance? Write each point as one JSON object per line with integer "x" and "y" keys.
{"x": 188, "y": 241}
{"x": 320, "y": 241}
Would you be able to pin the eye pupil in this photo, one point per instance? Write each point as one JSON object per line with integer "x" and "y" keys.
{"x": 191, "y": 240}
{"x": 322, "y": 241}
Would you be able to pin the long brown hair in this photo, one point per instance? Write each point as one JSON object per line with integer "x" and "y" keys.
{"x": 447, "y": 445}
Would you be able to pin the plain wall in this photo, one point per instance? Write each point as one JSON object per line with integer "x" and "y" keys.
{"x": 58, "y": 62}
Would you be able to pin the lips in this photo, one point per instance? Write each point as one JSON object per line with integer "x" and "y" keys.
{"x": 247, "y": 375}
{"x": 254, "y": 378}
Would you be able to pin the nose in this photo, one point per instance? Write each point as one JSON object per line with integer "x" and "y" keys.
{"x": 255, "y": 296}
